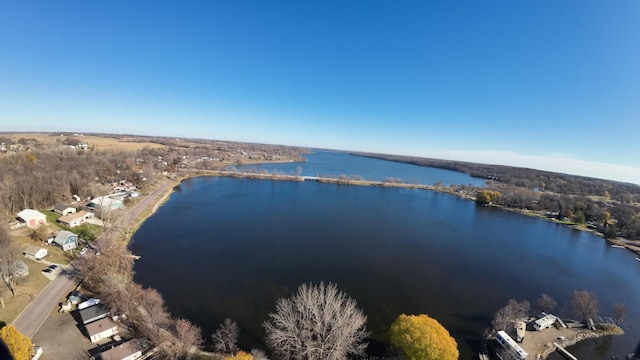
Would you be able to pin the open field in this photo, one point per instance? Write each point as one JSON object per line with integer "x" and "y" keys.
{"x": 97, "y": 142}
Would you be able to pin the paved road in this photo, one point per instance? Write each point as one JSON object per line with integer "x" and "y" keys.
{"x": 34, "y": 315}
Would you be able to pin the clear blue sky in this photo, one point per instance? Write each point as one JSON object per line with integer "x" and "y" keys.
{"x": 545, "y": 83}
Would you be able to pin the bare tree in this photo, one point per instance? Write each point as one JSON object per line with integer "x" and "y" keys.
{"x": 509, "y": 313}
{"x": 259, "y": 354}
{"x": 188, "y": 336}
{"x": 225, "y": 339}
{"x": 546, "y": 303}
{"x": 619, "y": 312}
{"x": 584, "y": 304}
{"x": 9, "y": 260}
{"x": 317, "y": 323}
{"x": 115, "y": 262}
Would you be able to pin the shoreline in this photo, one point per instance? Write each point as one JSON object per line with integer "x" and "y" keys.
{"x": 629, "y": 245}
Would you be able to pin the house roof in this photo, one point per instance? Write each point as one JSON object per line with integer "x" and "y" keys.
{"x": 93, "y": 313}
{"x": 32, "y": 250}
{"x": 62, "y": 207}
{"x": 63, "y": 236}
{"x": 121, "y": 351}
{"x": 99, "y": 326}
{"x": 69, "y": 218}
{"x": 28, "y": 214}
{"x": 104, "y": 201}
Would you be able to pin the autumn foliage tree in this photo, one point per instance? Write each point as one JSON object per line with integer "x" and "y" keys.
{"x": 488, "y": 197}
{"x": 240, "y": 356}
{"x": 18, "y": 344}
{"x": 421, "y": 337}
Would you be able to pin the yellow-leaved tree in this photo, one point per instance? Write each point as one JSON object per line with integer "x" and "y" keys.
{"x": 421, "y": 337}
{"x": 18, "y": 344}
{"x": 241, "y": 355}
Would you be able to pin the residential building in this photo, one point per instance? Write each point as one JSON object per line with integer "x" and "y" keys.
{"x": 63, "y": 209}
{"x": 93, "y": 313}
{"x": 35, "y": 252}
{"x": 105, "y": 203}
{"x": 101, "y": 329}
{"x": 126, "y": 351}
{"x": 32, "y": 218}
{"x": 75, "y": 219}
{"x": 66, "y": 240}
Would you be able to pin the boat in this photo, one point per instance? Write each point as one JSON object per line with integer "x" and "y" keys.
{"x": 638, "y": 259}
{"x": 617, "y": 246}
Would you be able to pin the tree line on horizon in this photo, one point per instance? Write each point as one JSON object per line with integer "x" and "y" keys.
{"x": 612, "y": 207}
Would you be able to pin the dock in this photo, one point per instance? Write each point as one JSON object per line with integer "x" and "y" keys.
{"x": 564, "y": 352}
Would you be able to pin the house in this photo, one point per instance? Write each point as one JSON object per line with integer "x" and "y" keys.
{"x": 63, "y": 209}
{"x": 32, "y": 218}
{"x": 105, "y": 203}
{"x": 66, "y": 240}
{"x": 93, "y": 313}
{"x": 125, "y": 351}
{"x": 101, "y": 329}
{"x": 75, "y": 219}
{"x": 35, "y": 252}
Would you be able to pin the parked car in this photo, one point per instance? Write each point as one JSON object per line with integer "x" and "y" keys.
{"x": 37, "y": 352}
{"x": 47, "y": 270}
{"x": 53, "y": 266}
{"x": 84, "y": 250}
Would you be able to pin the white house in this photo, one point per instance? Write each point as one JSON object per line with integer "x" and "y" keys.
{"x": 32, "y": 218}
{"x": 125, "y": 351}
{"x": 66, "y": 240}
{"x": 63, "y": 209}
{"x": 75, "y": 219}
{"x": 35, "y": 252}
{"x": 101, "y": 329}
{"x": 105, "y": 203}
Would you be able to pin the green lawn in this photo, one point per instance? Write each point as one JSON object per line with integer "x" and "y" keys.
{"x": 52, "y": 218}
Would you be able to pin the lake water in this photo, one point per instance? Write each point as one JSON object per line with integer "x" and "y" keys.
{"x": 334, "y": 164}
{"x": 223, "y": 247}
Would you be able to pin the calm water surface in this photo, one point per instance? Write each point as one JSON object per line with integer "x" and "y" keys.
{"x": 225, "y": 247}
{"x": 334, "y": 164}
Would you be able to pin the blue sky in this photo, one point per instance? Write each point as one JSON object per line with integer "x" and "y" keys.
{"x": 547, "y": 84}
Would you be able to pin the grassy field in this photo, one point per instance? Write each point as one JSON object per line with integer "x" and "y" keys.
{"x": 97, "y": 142}
{"x": 26, "y": 291}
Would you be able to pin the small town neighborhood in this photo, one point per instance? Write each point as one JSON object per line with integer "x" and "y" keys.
{"x": 98, "y": 332}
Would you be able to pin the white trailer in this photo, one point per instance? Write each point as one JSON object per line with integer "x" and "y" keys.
{"x": 544, "y": 322}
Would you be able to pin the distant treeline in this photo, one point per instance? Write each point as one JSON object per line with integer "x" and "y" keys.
{"x": 528, "y": 178}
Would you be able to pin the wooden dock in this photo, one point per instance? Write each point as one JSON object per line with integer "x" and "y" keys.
{"x": 564, "y": 352}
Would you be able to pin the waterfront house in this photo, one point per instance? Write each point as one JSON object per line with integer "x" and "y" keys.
{"x": 93, "y": 313}
{"x": 32, "y": 218}
{"x": 101, "y": 329}
{"x": 63, "y": 209}
{"x": 128, "y": 350}
{"x": 35, "y": 252}
{"x": 66, "y": 240}
{"x": 76, "y": 219}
